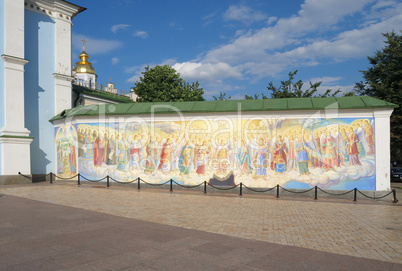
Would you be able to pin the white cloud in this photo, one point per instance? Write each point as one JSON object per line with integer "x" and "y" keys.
{"x": 206, "y": 71}
{"x": 290, "y": 42}
{"x": 118, "y": 27}
{"x": 115, "y": 60}
{"x": 141, "y": 34}
{"x": 95, "y": 46}
{"x": 135, "y": 71}
{"x": 325, "y": 80}
{"x": 210, "y": 18}
{"x": 243, "y": 14}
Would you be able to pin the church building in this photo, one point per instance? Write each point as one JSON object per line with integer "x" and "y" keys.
{"x": 35, "y": 81}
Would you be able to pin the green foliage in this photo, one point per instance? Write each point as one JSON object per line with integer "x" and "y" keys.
{"x": 164, "y": 84}
{"x": 383, "y": 80}
{"x": 256, "y": 97}
{"x": 289, "y": 89}
{"x": 222, "y": 97}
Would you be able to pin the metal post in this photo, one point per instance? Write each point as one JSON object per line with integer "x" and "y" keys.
{"x": 79, "y": 179}
{"x": 51, "y": 177}
{"x": 394, "y": 200}
{"x": 138, "y": 183}
{"x": 107, "y": 180}
{"x": 205, "y": 187}
{"x": 171, "y": 185}
{"x": 241, "y": 189}
{"x": 355, "y": 196}
{"x": 315, "y": 194}
{"x": 277, "y": 191}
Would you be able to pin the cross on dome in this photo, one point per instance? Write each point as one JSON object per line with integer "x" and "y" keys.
{"x": 83, "y": 43}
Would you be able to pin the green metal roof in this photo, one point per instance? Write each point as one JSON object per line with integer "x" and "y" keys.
{"x": 357, "y": 102}
{"x": 101, "y": 94}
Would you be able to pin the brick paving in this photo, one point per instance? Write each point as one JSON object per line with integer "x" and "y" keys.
{"x": 367, "y": 229}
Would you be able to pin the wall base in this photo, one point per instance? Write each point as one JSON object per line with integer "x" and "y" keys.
{"x": 14, "y": 179}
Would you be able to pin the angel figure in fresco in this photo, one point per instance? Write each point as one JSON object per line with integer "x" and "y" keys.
{"x": 135, "y": 152}
{"x": 88, "y": 147}
{"x": 60, "y": 167}
{"x": 314, "y": 145}
{"x": 369, "y": 133}
{"x": 72, "y": 158}
{"x": 329, "y": 146}
{"x": 164, "y": 164}
{"x": 174, "y": 154}
{"x": 244, "y": 159}
{"x": 280, "y": 154}
{"x": 111, "y": 150}
{"x": 81, "y": 141}
{"x": 105, "y": 146}
{"x": 340, "y": 150}
{"x": 122, "y": 153}
{"x": 260, "y": 159}
{"x": 362, "y": 144}
{"x": 345, "y": 145}
{"x": 185, "y": 159}
{"x": 222, "y": 157}
{"x": 202, "y": 158}
{"x": 302, "y": 149}
{"x": 353, "y": 151}
{"x": 100, "y": 150}
{"x": 151, "y": 153}
{"x": 292, "y": 152}
{"x": 95, "y": 147}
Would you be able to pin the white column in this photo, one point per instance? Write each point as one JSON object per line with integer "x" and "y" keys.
{"x": 382, "y": 148}
{"x": 62, "y": 75}
{"x": 14, "y": 137}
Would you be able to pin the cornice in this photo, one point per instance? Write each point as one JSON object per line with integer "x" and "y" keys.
{"x": 56, "y": 9}
{"x": 14, "y": 59}
{"x": 64, "y": 77}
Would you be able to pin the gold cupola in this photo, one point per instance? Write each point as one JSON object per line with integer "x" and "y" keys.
{"x": 84, "y": 66}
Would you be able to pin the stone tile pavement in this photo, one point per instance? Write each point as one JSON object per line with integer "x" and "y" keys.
{"x": 366, "y": 229}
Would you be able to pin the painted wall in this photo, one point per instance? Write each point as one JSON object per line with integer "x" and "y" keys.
{"x": 39, "y": 88}
{"x": 333, "y": 153}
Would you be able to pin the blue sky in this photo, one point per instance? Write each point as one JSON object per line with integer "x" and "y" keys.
{"x": 236, "y": 47}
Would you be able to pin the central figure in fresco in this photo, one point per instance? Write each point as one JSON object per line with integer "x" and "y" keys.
{"x": 332, "y": 153}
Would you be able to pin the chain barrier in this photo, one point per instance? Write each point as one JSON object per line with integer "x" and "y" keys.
{"x": 188, "y": 186}
{"x": 155, "y": 184}
{"x": 205, "y": 183}
{"x": 93, "y": 180}
{"x": 374, "y": 196}
{"x": 227, "y": 188}
{"x": 335, "y": 194}
{"x": 30, "y": 178}
{"x": 63, "y": 178}
{"x": 261, "y": 191}
{"x": 133, "y": 181}
{"x": 297, "y": 192}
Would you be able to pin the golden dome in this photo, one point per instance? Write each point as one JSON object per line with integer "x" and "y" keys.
{"x": 84, "y": 66}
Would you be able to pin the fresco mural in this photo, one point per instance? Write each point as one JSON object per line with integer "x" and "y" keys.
{"x": 295, "y": 153}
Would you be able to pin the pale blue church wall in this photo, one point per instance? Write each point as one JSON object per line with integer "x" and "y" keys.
{"x": 1, "y": 65}
{"x": 1, "y": 68}
{"x": 40, "y": 89}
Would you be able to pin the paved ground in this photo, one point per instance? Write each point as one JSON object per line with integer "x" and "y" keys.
{"x": 123, "y": 229}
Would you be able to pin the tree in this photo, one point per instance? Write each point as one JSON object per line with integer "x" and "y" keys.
{"x": 222, "y": 97}
{"x": 289, "y": 89}
{"x": 164, "y": 84}
{"x": 383, "y": 80}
